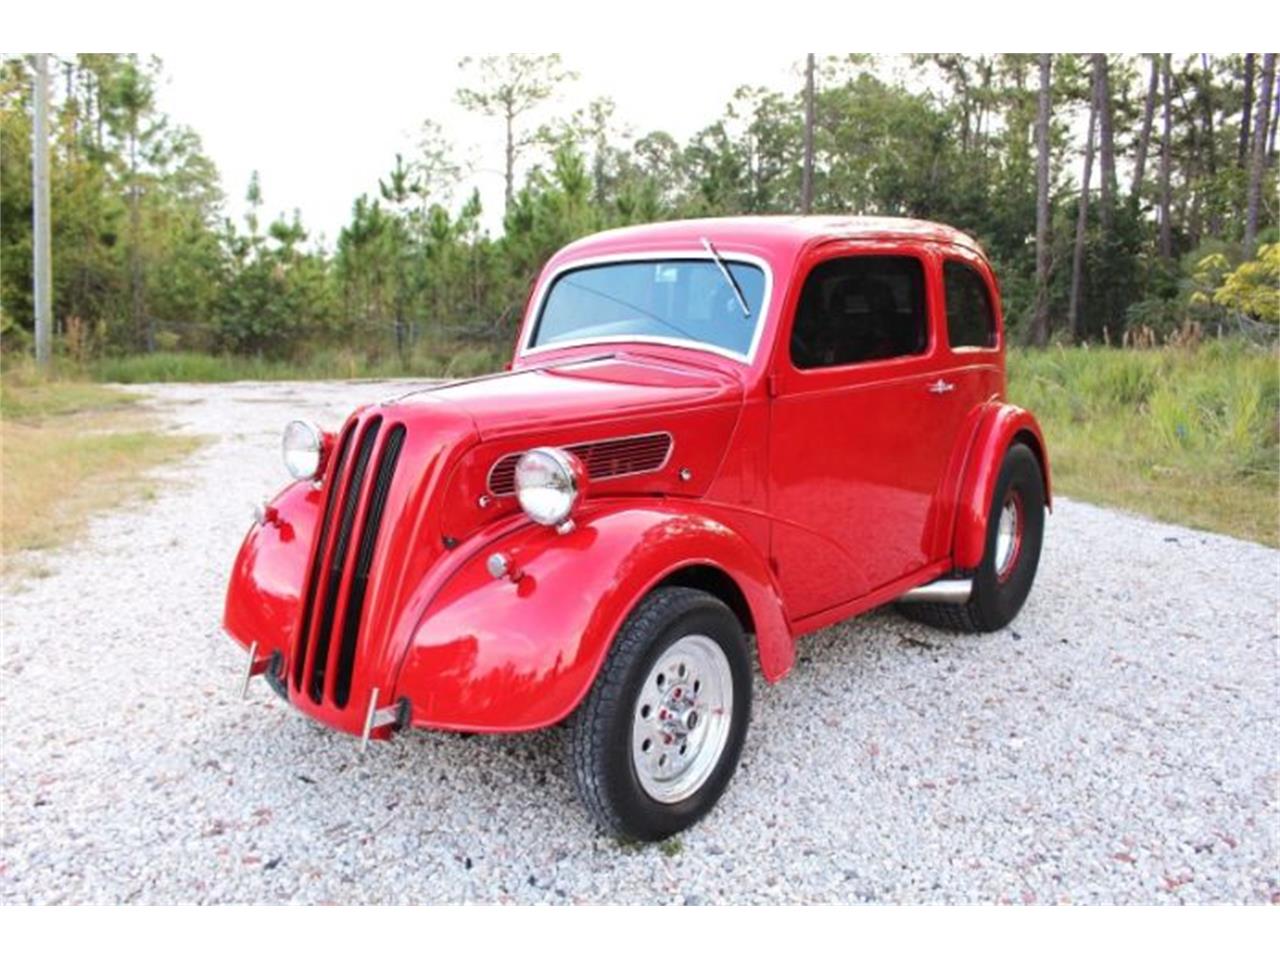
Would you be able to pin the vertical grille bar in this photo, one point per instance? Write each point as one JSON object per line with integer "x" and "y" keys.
{"x": 343, "y": 480}
{"x": 338, "y": 558}
{"x": 364, "y": 559}
{"x": 317, "y": 560}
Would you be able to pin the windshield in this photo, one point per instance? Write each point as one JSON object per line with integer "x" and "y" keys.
{"x": 677, "y": 299}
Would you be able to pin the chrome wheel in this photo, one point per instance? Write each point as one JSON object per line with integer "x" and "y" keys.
{"x": 682, "y": 717}
{"x": 1009, "y": 536}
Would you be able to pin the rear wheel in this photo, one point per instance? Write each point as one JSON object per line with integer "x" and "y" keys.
{"x": 654, "y": 744}
{"x": 1015, "y": 530}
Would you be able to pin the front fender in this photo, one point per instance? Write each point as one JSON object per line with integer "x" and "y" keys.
{"x": 503, "y": 655}
{"x": 1001, "y": 425}
{"x": 264, "y": 593}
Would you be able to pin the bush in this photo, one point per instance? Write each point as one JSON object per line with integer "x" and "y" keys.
{"x": 1253, "y": 288}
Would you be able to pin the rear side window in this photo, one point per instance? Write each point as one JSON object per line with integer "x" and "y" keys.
{"x": 971, "y": 320}
{"x": 859, "y": 309}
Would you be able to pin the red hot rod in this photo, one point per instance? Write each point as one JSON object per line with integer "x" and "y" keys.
{"x": 714, "y": 436}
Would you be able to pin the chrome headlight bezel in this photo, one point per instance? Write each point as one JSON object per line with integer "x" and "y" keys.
{"x": 549, "y": 482}
{"x": 302, "y": 449}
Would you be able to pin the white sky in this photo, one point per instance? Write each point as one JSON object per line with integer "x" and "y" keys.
{"x": 322, "y": 127}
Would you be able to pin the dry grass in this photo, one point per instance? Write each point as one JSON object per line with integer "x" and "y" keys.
{"x": 68, "y": 450}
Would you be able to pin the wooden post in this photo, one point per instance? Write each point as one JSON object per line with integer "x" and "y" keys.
{"x": 42, "y": 274}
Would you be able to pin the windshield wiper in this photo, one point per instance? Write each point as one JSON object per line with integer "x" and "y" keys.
{"x": 724, "y": 269}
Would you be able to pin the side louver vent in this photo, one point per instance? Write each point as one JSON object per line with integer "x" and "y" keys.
{"x": 603, "y": 459}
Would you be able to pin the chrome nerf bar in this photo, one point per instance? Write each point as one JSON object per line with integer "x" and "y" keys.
{"x": 940, "y": 591}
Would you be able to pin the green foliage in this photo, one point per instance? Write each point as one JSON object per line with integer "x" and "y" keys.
{"x": 145, "y": 260}
{"x": 1253, "y": 288}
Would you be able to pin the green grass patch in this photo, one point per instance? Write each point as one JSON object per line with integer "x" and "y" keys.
{"x": 26, "y": 396}
{"x": 184, "y": 367}
{"x": 1185, "y": 435}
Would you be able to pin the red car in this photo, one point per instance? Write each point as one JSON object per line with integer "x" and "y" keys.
{"x": 714, "y": 436}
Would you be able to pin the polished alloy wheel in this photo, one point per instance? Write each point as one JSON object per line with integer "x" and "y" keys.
{"x": 682, "y": 719}
{"x": 1009, "y": 536}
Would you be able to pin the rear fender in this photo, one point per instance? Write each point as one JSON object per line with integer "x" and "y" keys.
{"x": 1001, "y": 425}
{"x": 520, "y": 652}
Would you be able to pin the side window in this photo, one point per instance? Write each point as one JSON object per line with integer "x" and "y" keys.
{"x": 971, "y": 321}
{"x": 859, "y": 309}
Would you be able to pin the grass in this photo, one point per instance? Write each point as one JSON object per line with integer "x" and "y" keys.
{"x": 69, "y": 449}
{"x": 1185, "y": 435}
{"x": 446, "y": 360}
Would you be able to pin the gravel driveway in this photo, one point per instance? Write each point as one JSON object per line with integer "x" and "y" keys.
{"x": 1118, "y": 744}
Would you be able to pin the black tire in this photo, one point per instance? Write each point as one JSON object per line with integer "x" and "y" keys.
{"x": 600, "y": 731}
{"x": 997, "y": 598}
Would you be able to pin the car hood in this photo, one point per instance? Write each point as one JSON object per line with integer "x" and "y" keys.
{"x": 578, "y": 395}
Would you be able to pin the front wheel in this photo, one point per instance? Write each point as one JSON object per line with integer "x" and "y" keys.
{"x": 654, "y": 744}
{"x": 1015, "y": 529}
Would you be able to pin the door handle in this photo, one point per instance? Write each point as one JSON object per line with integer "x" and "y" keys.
{"x": 941, "y": 386}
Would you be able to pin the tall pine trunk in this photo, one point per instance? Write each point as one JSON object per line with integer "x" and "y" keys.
{"x": 806, "y": 185}
{"x": 1040, "y": 319}
{"x": 1242, "y": 156}
{"x": 1271, "y": 137}
{"x": 1144, "y": 138}
{"x": 1205, "y": 92}
{"x": 1207, "y": 108}
{"x": 1106, "y": 145}
{"x": 1082, "y": 222}
{"x": 510, "y": 170}
{"x": 1166, "y": 159}
{"x": 1258, "y": 157}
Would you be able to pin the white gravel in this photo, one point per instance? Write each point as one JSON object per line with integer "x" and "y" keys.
{"x": 1117, "y": 745}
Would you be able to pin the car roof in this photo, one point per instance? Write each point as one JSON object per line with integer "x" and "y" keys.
{"x": 779, "y": 233}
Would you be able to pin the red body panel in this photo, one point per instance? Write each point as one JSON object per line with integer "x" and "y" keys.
{"x": 999, "y": 425}
{"x": 516, "y": 654}
{"x": 267, "y": 580}
{"x": 816, "y": 494}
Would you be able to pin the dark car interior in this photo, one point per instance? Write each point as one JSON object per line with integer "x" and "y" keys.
{"x": 860, "y": 309}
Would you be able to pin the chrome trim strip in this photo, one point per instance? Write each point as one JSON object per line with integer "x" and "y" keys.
{"x": 940, "y": 591}
{"x": 250, "y": 669}
{"x": 445, "y": 383}
{"x": 671, "y": 446}
{"x": 376, "y": 718}
{"x": 766, "y": 302}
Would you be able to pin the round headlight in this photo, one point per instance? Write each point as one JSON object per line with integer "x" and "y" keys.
{"x": 548, "y": 483}
{"x": 301, "y": 445}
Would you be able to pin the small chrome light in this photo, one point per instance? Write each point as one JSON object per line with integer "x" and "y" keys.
{"x": 302, "y": 445}
{"x": 548, "y": 483}
{"x": 498, "y": 565}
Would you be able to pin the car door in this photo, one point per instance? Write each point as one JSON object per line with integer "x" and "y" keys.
{"x": 861, "y": 424}
{"x": 973, "y": 328}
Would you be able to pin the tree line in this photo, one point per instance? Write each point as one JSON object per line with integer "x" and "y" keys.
{"x": 1116, "y": 196}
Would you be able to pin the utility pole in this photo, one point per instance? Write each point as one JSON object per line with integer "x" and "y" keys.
{"x": 806, "y": 184}
{"x": 42, "y": 275}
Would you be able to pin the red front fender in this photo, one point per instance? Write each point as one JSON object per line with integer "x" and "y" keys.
{"x": 495, "y": 655}
{"x": 1001, "y": 425}
{"x": 264, "y": 594}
